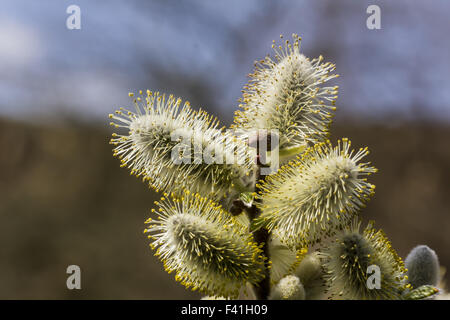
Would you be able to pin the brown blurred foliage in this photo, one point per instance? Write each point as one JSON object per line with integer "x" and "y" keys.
{"x": 64, "y": 200}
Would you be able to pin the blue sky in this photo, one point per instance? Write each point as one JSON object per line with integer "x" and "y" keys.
{"x": 48, "y": 71}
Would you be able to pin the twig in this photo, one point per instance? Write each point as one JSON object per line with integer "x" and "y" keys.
{"x": 261, "y": 236}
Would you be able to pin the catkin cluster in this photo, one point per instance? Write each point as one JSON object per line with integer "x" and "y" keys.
{"x": 225, "y": 229}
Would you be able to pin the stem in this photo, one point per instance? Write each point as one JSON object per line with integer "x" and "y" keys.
{"x": 261, "y": 236}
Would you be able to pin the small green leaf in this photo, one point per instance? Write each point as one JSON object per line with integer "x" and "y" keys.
{"x": 247, "y": 198}
{"x": 422, "y": 292}
{"x": 289, "y": 152}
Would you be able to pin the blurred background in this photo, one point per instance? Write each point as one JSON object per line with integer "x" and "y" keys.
{"x": 63, "y": 198}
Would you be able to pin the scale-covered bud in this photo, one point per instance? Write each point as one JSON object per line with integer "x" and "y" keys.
{"x": 423, "y": 266}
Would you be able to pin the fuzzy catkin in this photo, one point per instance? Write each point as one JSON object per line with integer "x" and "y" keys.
{"x": 174, "y": 147}
{"x": 286, "y": 94}
{"x": 348, "y": 258}
{"x": 315, "y": 195}
{"x": 209, "y": 250}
